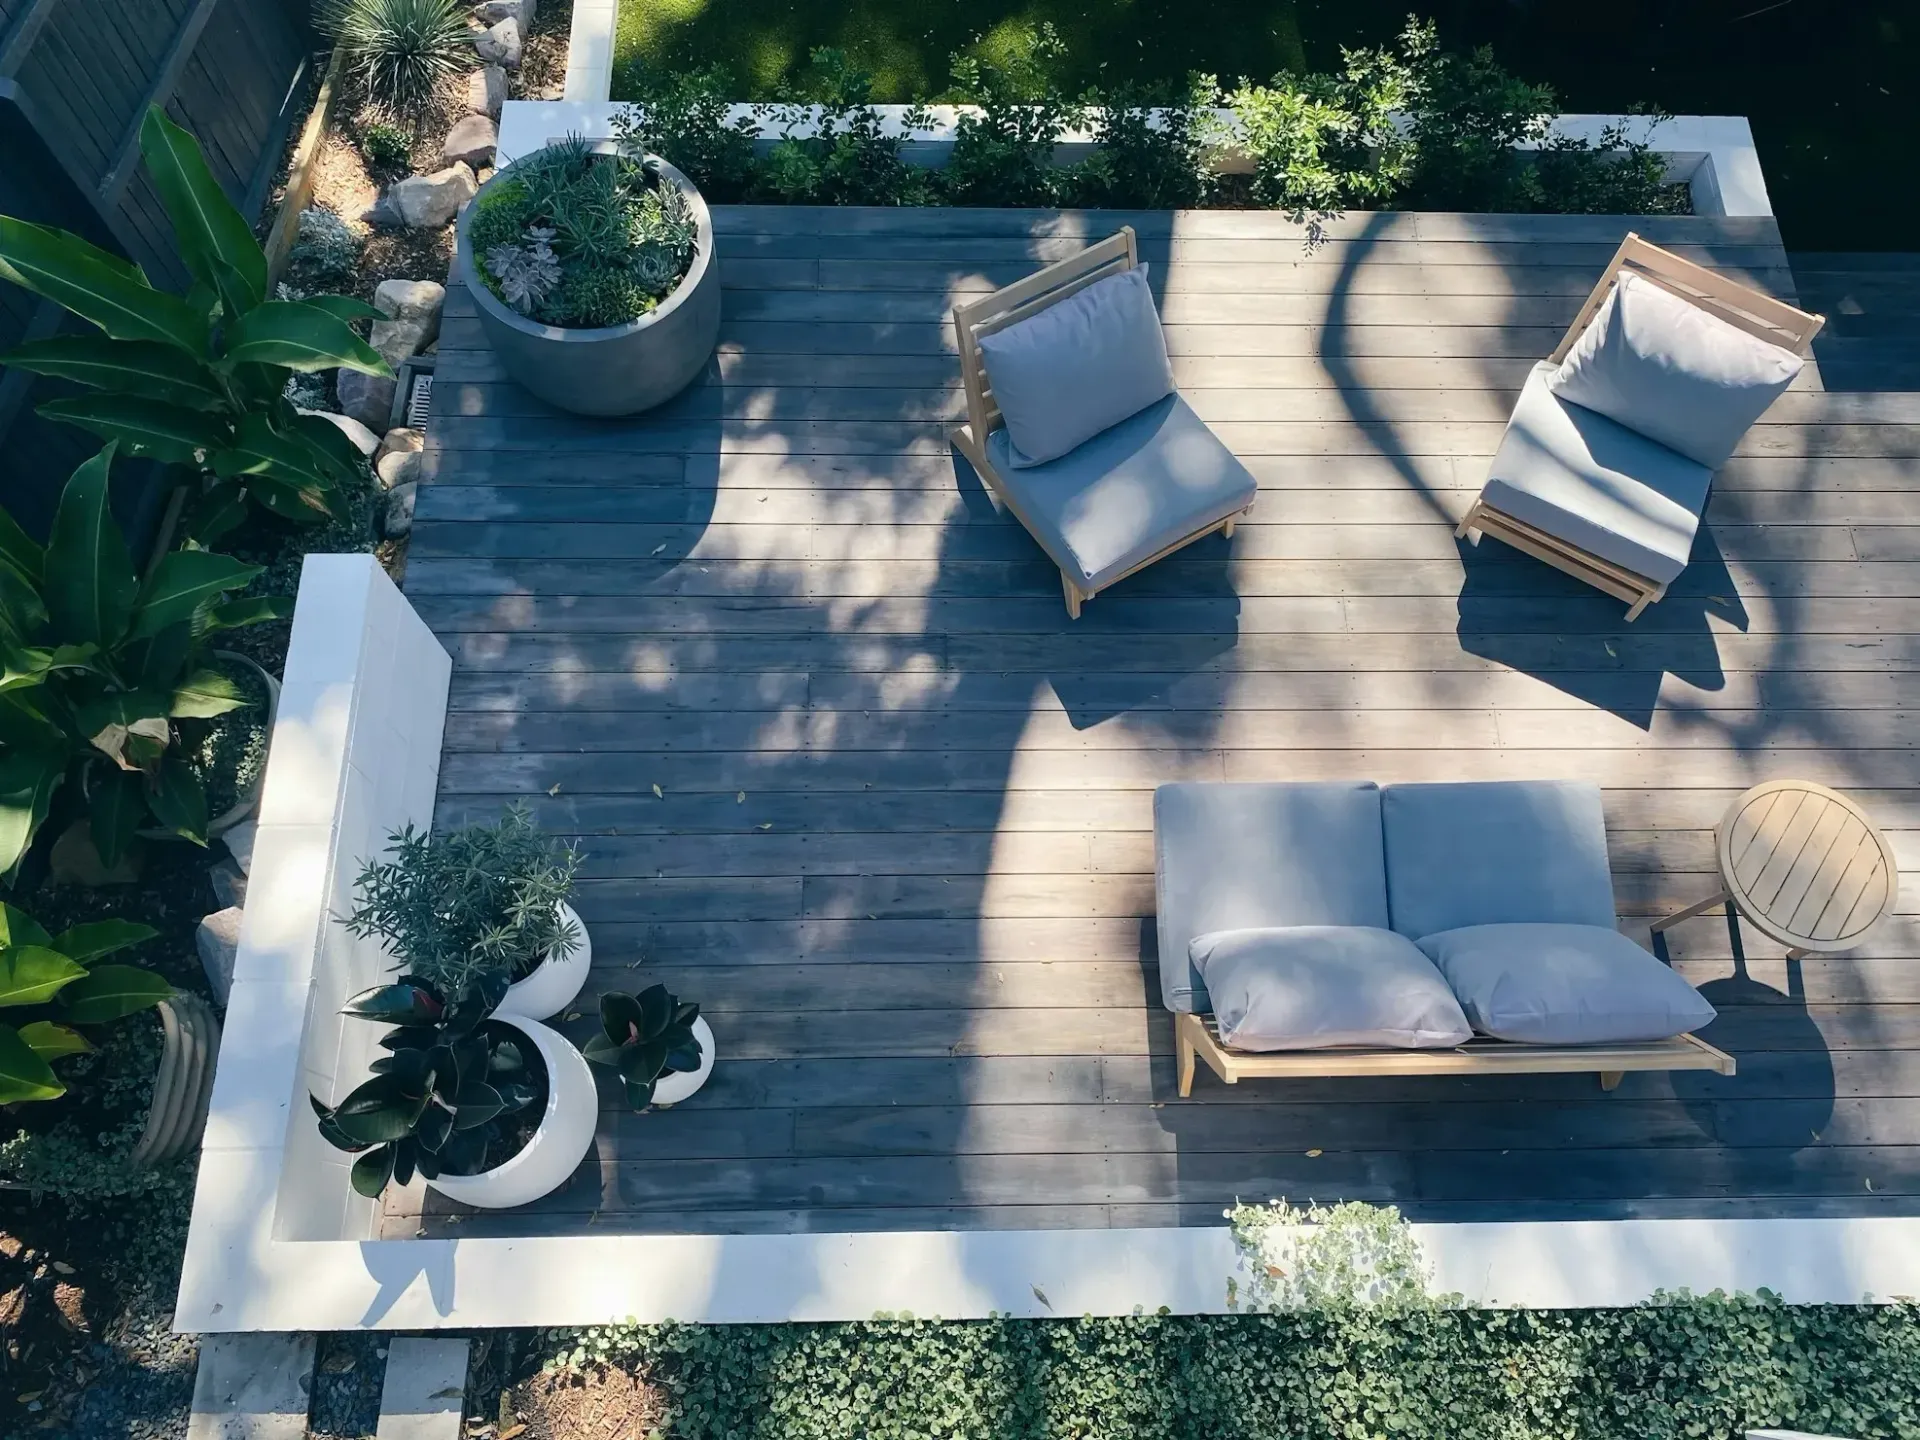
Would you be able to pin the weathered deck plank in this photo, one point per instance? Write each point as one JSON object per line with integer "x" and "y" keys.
{"x": 901, "y": 849}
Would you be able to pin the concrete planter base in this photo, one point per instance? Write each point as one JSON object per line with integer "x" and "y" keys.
{"x": 619, "y": 370}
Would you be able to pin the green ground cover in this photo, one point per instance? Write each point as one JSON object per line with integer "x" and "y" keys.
{"x": 1830, "y": 89}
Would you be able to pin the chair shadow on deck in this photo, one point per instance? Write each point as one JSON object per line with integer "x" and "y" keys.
{"x": 1761, "y": 1148}
{"x": 1532, "y": 618}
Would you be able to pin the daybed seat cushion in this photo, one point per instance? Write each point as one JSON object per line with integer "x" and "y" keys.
{"x": 1314, "y": 987}
{"x": 1128, "y": 493}
{"x": 1564, "y": 985}
{"x": 1496, "y": 852}
{"x": 1063, "y": 375}
{"x": 1672, "y": 371}
{"x": 1594, "y": 483}
{"x": 1240, "y": 857}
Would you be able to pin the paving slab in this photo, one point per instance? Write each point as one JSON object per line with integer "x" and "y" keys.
{"x": 426, "y": 1389}
{"x": 252, "y": 1387}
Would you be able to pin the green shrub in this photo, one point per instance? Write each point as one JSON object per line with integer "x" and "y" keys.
{"x": 401, "y": 49}
{"x": 1704, "y": 1368}
{"x": 682, "y": 118}
{"x": 388, "y": 148}
{"x": 1152, "y": 147}
{"x": 325, "y": 254}
{"x": 1323, "y": 143}
{"x": 1003, "y": 153}
{"x": 849, "y": 159}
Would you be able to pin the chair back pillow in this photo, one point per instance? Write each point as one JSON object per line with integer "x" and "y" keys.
{"x": 1672, "y": 371}
{"x": 1564, "y": 985}
{"x": 1314, "y": 987}
{"x": 1062, "y": 376}
{"x": 1491, "y": 852}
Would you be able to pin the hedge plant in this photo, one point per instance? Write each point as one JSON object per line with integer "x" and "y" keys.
{"x": 1407, "y": 125}
{"x": 1336, "y": 1337}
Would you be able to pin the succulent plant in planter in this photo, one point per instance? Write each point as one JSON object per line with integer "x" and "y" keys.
{"x": 456, "y": 1092}
{"x": 474, "y": 903}
{"x": 592, "y": 268}
{"x": 657, "y": 1042}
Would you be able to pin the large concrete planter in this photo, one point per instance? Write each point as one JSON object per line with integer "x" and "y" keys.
{"x": 620, "y": 370}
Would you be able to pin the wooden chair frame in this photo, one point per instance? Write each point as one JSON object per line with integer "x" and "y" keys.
{"x": 1771, "y": 320}
{"x": 1195, "y": 1037}
{"x": 1019, "y": 301}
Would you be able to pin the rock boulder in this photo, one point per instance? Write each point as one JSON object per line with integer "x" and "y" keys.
{"x": 427, "y": 202}
{"x": 366, "y": 398}
{"x": 487, "y": 91}
{"x": 500, "y": 44}
{"x": 218, "y": 941}
{"x": 470, "y": 142}
{"x": 492, "y": 12}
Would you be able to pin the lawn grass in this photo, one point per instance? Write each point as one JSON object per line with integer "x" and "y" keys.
{"x": 907, "y": 45}
{"x": 1830, "y": 88}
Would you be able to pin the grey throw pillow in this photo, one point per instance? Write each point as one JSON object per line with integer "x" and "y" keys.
{"x": 1564, "y": 985}
{"x": 1314, "y": 987}
{"x": 1673, "y": 372}
{"x": 1076, "y": 368}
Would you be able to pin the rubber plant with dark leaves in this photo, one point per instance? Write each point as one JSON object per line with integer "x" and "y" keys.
{"x": 99, "y": 669}
{"x": 55, "y": 980}
{"x": 644, "y": 1037}
{"x": 197, "y": 380}
{"x": 454, "y": 1095}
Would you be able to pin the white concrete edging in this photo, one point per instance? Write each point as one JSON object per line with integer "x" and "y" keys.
{"x": 590, "y": 51}
{"x": 279, "y": 1242}
{"x": 1713, "y": 154}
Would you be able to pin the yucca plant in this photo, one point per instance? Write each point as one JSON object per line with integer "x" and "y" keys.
{"x": 55, "y": 978}
{"x": 453, "y": 1095}
{"x": 198, "y": 379}
{"x": 644, "y": 1037}
{"x": 97, "y": 669}
{"x": 403, "y": 49}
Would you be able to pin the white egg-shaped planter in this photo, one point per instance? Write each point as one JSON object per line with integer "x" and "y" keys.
{"x": 672, "y": 1089}
{"x": 560, "y": 1142}
{"x": 555, "y": 981}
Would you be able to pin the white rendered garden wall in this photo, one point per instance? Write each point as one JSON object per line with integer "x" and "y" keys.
{"x": 1713, "y": 155}
{"x": 279, "y": 1242}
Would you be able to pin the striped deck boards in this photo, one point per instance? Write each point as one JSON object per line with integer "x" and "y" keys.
{"x": 901, "y": 847}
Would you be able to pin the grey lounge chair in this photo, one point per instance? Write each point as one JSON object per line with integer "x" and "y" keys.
{"x": 1603, "y": 498}
{"x": 1137, "y": 491}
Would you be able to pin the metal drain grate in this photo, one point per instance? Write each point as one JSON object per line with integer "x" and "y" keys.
{"x": 420, "y": 400}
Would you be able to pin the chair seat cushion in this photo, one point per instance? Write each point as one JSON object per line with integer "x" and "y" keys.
{"x": 1564, "y": 985}
{"x": 1489, "y": 852}
{"x": 1063, "y": 375}
{"x": 1314, "y": 987}
{"x": 1588, "y": 480}
{"x": 1126, "y": 494}
{"x": 1237, "y": 857}
{"x": 1672, "y": 371}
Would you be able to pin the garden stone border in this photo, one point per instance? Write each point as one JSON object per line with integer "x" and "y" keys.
{"x": 1713, "y": 155}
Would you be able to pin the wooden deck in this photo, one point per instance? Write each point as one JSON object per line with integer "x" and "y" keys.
{"x": 846, "y": 774}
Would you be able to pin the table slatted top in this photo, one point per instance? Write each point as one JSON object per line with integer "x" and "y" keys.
{"x": 1806, "y": 865}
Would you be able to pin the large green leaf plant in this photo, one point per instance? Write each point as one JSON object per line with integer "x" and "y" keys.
{"x": 97, "y": 667}
{"x": 200, "y": 379}
{"x": 56, "y": 979}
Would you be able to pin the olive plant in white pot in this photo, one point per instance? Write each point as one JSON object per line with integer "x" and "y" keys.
{"x": 481, "y": 900}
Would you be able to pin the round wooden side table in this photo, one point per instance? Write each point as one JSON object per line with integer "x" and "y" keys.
{"x": 1804, "y": 865}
